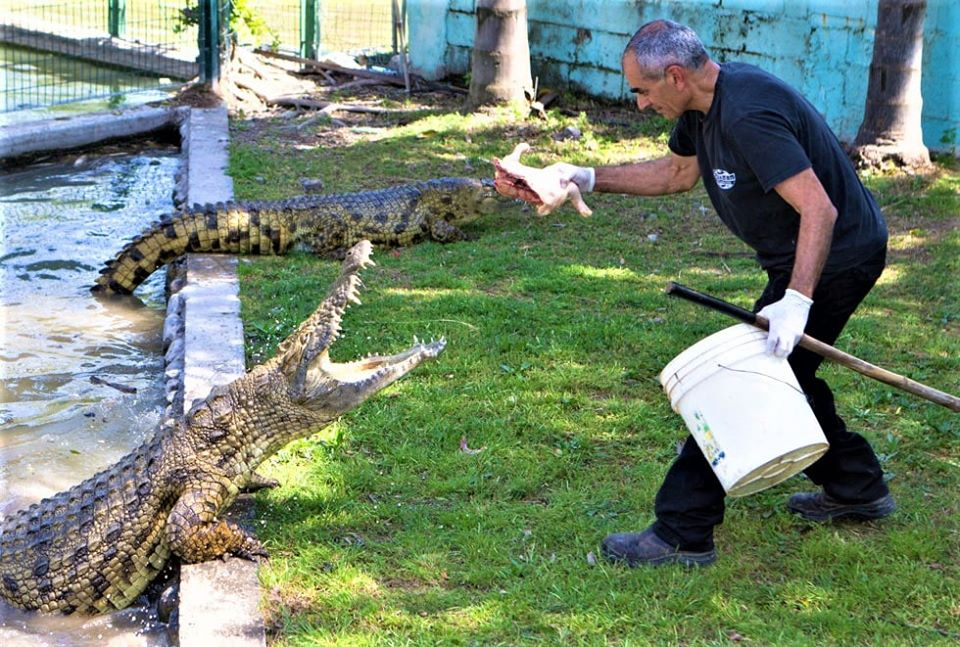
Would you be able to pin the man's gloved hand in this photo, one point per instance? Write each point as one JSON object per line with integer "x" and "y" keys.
{"x": 583, "y": 176}
{"x": 788, "y": 318}
{"x": 546, "y": 188}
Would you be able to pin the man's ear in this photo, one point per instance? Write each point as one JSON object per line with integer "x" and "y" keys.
{"x": 676, "y": 76}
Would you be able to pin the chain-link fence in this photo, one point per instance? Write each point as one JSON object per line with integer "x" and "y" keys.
{"x": 58, "y": 51}
{"x": 55, "y": 52}
{"x": 309, "y": 27}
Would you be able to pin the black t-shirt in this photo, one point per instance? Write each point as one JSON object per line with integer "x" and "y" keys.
{"x": 760, "y": 131}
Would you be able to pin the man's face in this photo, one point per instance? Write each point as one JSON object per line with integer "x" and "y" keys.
{"x": 662, "y": 95}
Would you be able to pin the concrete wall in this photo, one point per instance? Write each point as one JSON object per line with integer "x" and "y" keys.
{"x": 941, "y": 76}
{"x": 821, "y": 47}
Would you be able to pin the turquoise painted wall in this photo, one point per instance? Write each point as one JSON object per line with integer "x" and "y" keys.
{"x": 821, "y": 47}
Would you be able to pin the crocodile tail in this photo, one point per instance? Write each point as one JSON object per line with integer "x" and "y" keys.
{"x": 229, "y": 228}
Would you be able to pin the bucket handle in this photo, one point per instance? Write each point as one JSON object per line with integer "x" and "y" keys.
{"x": 775, "y": 379}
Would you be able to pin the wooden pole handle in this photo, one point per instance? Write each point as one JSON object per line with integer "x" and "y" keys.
{"x": 951, "y": 402}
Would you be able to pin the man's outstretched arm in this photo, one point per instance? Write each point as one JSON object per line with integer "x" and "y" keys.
{"x": 670, "y": 174}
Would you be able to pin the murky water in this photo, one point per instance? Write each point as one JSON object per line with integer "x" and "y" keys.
{"x": 59, "y": 222}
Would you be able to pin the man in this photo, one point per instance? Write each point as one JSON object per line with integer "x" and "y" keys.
{"x": 779, "y": 179}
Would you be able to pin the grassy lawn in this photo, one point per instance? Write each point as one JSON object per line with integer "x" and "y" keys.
{"x": 385, "y": 532}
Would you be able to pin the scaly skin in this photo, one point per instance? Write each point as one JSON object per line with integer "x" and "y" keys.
{"x": 96, "y": 547}
{"x": 324, "y": 224}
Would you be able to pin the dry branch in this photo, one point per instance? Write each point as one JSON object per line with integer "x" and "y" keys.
{"x": 333, "y": 67}
{"x": 328, "y": 107}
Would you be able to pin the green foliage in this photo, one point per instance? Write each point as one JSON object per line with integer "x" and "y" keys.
{"x": 245, "y": 23}
{"x": 385, "y": 532}
{"x": 248, "y": 26}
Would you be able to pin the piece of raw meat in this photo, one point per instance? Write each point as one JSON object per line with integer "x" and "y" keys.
{"x": 542, "y": 188}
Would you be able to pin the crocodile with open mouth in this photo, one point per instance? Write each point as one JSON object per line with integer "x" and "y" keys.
{"x": 97, "y": 546}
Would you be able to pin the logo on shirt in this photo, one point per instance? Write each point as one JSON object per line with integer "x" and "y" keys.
{"x": 725, "y": 179}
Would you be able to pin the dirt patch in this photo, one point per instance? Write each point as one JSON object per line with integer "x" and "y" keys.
{"x": 350, "y": 116}
{"x": 266, "y": 97}
{"x": 270, "y": 98}
{"x": 196, "y": 95}
{"x": 279, "y": 605}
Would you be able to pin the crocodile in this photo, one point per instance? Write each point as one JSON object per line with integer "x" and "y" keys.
{"x": 322, "y": 224}
{"x": 95, "y": 547}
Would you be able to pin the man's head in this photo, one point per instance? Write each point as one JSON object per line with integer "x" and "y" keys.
{"x": 659, "y": 62}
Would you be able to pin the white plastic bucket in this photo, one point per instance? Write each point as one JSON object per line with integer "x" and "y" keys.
{"x": 744, "y": 408}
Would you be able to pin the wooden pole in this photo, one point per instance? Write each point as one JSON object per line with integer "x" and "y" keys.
{"x": 951, "y": 402}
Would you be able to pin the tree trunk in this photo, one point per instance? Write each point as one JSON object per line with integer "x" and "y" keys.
{"x": 892, "y": 118}
{"x": 500, "y": 64}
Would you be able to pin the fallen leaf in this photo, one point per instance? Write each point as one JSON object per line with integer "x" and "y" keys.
{"x": 466, "y": 449}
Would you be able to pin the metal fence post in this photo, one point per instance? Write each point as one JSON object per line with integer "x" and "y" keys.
{"x": 208, "y": 38}
{"x": 116, "y": 17}
{"x": 309, "y": 28}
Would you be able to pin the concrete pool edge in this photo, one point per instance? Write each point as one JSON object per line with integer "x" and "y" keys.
{"x": 219, "y": 600}
{"x": 17, "y": 140}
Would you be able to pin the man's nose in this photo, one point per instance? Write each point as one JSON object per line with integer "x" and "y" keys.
{"x": 642, "y": 103}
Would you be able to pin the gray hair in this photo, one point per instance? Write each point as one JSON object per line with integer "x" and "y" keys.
{"x": 662, "y": 43}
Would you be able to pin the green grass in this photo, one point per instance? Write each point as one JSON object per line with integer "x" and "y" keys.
{"x": 384, "y": 532}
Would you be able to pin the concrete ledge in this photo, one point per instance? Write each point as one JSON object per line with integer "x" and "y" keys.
{"x": 99, "y": 47}
{"x": 76, "y": 132}
{"x": 219, "y": 600}
{"x": 205, "y": 137}
{"x": 213, "y": 333}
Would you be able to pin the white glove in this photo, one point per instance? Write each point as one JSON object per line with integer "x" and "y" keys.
{"x": 583, "y": 176}
{"x": 548, "y": 187}
{"x": 788, "y": 318}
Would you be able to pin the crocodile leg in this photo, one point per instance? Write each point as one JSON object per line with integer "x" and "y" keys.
{"x": 443, "y": 232}
{"x": 195, "y": 534}
{"x": 256, "y": 482}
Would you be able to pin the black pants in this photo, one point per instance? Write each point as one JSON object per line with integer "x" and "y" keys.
{"x": 691, "y": 500}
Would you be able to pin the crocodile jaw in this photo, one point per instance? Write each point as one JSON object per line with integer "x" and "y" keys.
{"x": 340, "y": 386}
{"x": 332, "y": 388}
{"x": 487, "y": 200}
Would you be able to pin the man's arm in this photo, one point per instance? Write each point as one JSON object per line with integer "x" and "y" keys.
{"x": 806, "y": 195}
{"x": 670, "y": 174}
{"x": 788, "y": 316}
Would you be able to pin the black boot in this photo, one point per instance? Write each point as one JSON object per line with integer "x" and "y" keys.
{"x": 645, "y": 548}
{"x": 817, "y": 506}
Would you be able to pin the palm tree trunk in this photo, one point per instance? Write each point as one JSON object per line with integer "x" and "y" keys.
{"x": 500, "y": 64}
{"x": 891, "y": 128}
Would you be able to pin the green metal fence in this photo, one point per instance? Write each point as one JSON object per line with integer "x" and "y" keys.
{"x": 59, "y": 51}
